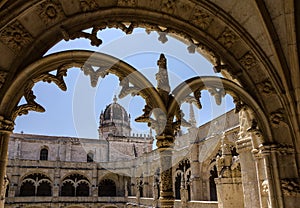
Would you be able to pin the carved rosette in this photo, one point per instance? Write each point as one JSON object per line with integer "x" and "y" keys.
{"x": 88, "y": 5}
{"x": 227, "y": 38}
{"x": 201, "y": 19}
{"x": 266, "y": 87}
{"x": 6, "y": 125}
{"x": 3, "y": 75}
{"x": 277, "y": 118}
{"x": 51, "y": 12}
{"x": 248, "y": 60}
{"x": 169, "y": 6}
{"x": 16, "y": 36}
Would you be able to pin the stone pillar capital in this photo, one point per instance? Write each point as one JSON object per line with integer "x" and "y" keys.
{"x": 6, "y": 125}
{"x": 244, "y": 145}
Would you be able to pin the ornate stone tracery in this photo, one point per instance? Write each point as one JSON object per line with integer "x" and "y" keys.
{"x": 31, "y": 105}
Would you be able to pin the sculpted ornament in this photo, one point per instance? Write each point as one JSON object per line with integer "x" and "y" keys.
{"x": 266, "y": 87}
{"x": 290, "y": 187}
{"x": 51, "y": 11}
{"x": 88, "y": 5}
{"x": 6, "y": 125}
{"x": 16, "y": 36}
{"x": 31, "y": 105}
{"x": 3, "y": 75}
{"x": 248, "y": 60}
{"x": 201, "y": 19}
{"x": 95, "y": 41}
{"x": 277, "y": 117}
{"x": 169, "y": 6}
{"x": 227, "y": 38}
{"x": 94, "y": 75}
{"x": 130, "y": 3}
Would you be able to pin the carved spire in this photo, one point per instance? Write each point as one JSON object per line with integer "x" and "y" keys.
{"x": 162, "y": 75}
{"x": 192, "y": 119}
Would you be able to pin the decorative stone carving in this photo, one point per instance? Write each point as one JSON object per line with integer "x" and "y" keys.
{"x": 266, "y": 87}
{"x": 238, "y": 104}
{"x": 162, "y": 75}
{"x": 3, "y": 75}
{"x": 201, "y": 19}
{"x": 94, "y": 75}
{"x": 169, "y": 6}
{"x": 51, "y": 12}
{"x": 129, "y": 3}
{"x": 290, "y": 187}
{"x": 227, "y": 38}
{"x": 95, "y": 41}
{"x": 88, "y": 5}
{"x": 16, "y": 36}
{"x": 285, "y": 149}
{"x": 248, "y": 60}
{"x": 6, "y": 125}
{"x": 126, "y": 89}
{"x": 31, "y": 105}
{"x": 265, "y": 187}
{"x": 218, "y": 94}
{"x": 4, "y": 187}
{"x": 277, "y": 117}
{"x": 75, "y": 141}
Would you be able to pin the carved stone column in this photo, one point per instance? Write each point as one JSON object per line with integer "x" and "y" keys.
{"x": 6, "y": 128}
{"x": 196, "y": 182}
{"x": 229, "y": 184}
{"x": 248, "y": 172}
{"x": 165, "y": 144}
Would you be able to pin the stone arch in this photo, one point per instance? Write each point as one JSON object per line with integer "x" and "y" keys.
{"x": 36, "y": 172}
{"x": 107, "y": 187}
{"x": 188, "y": 16}
{"x": 195, "y": 28}
{"x": 74, "y": 185}
{"x": 36, "y": 184}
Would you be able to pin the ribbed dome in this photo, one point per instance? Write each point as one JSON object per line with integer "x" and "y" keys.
{"x": 114, "y": 120}
{"x": 115, "y": 111}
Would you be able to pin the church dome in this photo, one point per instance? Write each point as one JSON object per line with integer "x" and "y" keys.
{"x": 115, "y": 111}
{"x": 114, "y": 120}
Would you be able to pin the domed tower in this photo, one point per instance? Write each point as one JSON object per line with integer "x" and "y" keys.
{"x": 114, "y": 120}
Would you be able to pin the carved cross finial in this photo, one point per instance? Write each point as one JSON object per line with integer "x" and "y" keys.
{"x": 115, "y": 99}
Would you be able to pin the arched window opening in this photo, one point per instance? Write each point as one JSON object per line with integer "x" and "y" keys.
{"x": 182, "y": 179}
{"x": 212, "y": 184}
{"x": 6, "y": 191}
{"x": 27, "y": 189}
{"x": 36, "y": 184}
{"x": 44, "y": 154}
{"x": 107, "y": 187}
{"x": 75, "y": 185}
{"x": 90, "y": 157}
{"x": 82, "y": 189}
{"x": 68, "y": 189}
{"x": 177, "y": 186}
{"x": 44, "y": 189}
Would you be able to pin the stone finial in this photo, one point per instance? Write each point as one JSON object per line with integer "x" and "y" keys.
{"x": 162, "y": 75}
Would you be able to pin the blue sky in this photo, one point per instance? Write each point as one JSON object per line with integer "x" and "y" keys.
{"x": 76, "y": 111}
